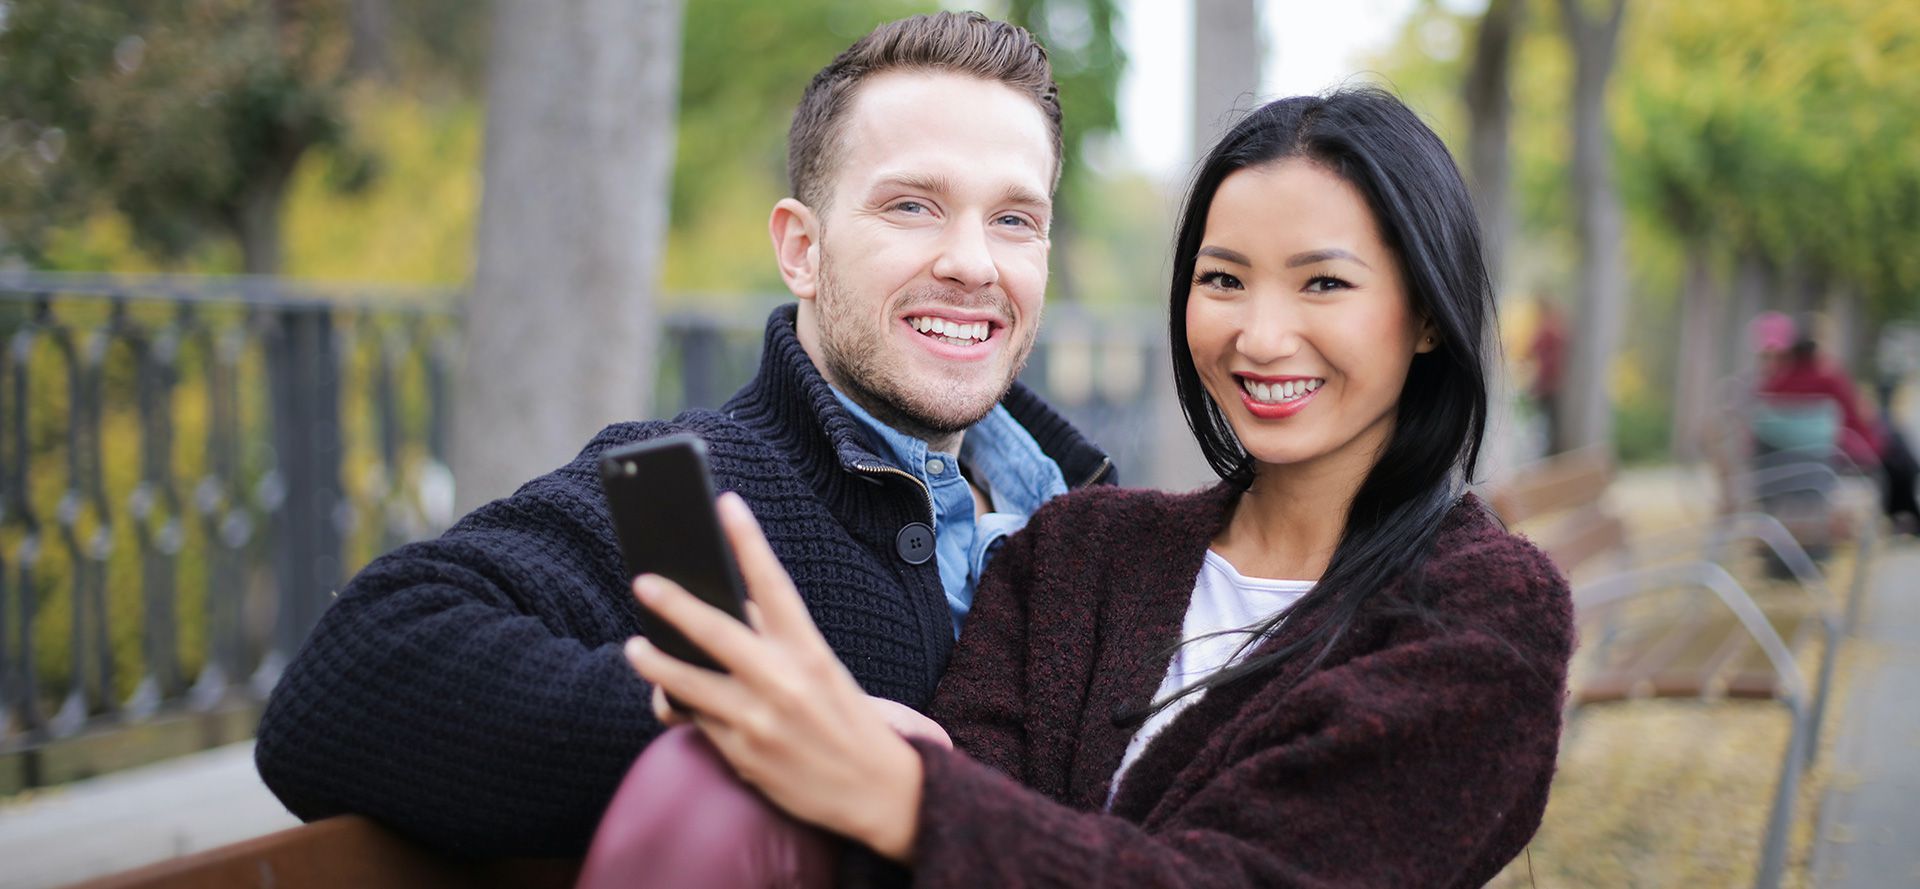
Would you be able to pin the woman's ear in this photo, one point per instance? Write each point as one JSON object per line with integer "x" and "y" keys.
{"x": 1426, "y": 338}
{"x": 796, "y": 246}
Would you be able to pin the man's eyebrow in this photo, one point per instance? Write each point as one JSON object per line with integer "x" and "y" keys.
{"x": 1312, "y": 256}
{"x": 915, "y": 182}
{"x": 1224, "y": 253}
{"x": 1020, "y": 195}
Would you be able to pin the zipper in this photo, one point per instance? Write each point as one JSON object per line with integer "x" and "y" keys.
{"x": 889, "y": 470}
{"x": 1099, "y": 472}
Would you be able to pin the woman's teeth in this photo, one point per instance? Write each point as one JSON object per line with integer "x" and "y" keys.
{"x": 958, "y": 333}
{"x": 1276, "y": 393}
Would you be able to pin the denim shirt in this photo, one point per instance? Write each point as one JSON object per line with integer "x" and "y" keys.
{"x": 1017, "y": 474}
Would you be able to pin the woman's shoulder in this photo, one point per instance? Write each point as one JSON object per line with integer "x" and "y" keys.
{"x": 1107, "y": 511}
{"x": 1476, "y": 563}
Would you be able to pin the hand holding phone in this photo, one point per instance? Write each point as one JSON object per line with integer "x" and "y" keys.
{"x": 661, "y": 495}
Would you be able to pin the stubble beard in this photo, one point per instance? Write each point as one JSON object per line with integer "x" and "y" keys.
{"x": 858, "y": 362}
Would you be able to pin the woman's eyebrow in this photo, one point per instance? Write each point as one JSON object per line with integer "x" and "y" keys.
{"x": 1312, "y": 256}
{"x": 1225, "y": 254}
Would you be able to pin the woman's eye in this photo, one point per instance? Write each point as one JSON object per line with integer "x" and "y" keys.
{"x": 1326, "y": 283}
{"x": 1218, "y": 279}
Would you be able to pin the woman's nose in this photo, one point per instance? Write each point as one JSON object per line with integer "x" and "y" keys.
{"x": 1271, "y": 330}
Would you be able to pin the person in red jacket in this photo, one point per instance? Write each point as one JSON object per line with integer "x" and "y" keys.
{"x": 1333, "y": 668}
{"x": 1795, "y": 370}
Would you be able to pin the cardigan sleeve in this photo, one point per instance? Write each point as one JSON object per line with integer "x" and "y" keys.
{"x": 469, "y": 691}
{"x": 981, "y": 699}
{"x": 1416, "y": 764}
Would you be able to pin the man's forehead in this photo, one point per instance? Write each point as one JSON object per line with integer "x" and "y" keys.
{"x": 948, "y": 129}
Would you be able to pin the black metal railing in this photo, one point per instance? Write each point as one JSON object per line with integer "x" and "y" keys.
{"x": 190, "y": 467}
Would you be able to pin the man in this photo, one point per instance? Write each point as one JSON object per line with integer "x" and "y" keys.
{"x": 470, "y": 690}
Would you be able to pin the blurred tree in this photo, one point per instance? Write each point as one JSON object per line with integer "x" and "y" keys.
{"x": 1227, "y": 59}
{"x": 1084, "y": 49}
{"x": 1586, "y": 409}
{"x": 1773, "y": 138}
{"x": 188, "y": 117}
{"x": 1489, "y": 104}
{"x": 579, "y": 158}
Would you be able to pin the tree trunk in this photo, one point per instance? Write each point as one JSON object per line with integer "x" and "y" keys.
{"x": 1489, "y": 104}
{"x": 258, "y": 230}
{"x": 560, "y": 326}
{"x": 1752, "y": 293}
{"x": 1586, "y": 406}
{"x": 1703, "y": 315}
{"x": 370, "y": 23}
{"x": 255, "y": 218}
{"x": 1227, "y": 57}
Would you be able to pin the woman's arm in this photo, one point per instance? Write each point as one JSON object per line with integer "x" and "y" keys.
{"x": 1424, "y": 764}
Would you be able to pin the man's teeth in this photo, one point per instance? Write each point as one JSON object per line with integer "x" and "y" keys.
{"x": 962, "y": 333}
{"x": 1274, "y": 393}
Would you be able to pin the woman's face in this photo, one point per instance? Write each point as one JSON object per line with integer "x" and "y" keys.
{"x": 1298, "y": 319}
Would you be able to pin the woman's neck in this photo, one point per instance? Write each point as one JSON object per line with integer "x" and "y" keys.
{"x": 1289, "y": 521}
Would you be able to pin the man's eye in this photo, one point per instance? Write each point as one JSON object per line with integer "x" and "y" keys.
{"x": 1014, "y": 219}
{"x": 910, "y": 207}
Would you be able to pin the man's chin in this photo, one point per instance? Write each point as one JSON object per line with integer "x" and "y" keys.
{"x": 927, "y": 418}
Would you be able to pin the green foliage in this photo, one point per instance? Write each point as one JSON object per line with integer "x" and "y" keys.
{"x": 181, "y": 115}
{"x": 743, "y": 66}
{"x": 1784, "y": 127}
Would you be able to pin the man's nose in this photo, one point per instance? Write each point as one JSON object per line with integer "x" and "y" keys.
{"x": 966, "y": 257}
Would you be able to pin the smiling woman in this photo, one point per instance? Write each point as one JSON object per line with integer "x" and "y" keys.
{"x": 1332, "y": 669}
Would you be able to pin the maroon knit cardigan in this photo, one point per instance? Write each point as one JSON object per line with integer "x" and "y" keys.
{"x": 1417, "y": 754}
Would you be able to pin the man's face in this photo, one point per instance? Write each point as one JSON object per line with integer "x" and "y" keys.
{"x": 922, "y": 286}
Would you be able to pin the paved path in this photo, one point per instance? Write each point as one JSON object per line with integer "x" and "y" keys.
{"x": 136, "y": 817}
{"x": 1870, "y": 818}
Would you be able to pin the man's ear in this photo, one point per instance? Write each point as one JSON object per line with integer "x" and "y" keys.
{"x": 1427, "y": 339}
{"x": 796, "y": 246}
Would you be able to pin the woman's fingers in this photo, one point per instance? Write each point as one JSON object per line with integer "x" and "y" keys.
{"x": 767, "y": 581}
{"x": 664, "y": 711}
{"x": 724, "y": 639}
{"x": 716, "y": 696}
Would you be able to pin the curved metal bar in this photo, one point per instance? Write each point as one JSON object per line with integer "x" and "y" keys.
{"x": 1715, "y": 579}
{"x": 1621, "y": 587}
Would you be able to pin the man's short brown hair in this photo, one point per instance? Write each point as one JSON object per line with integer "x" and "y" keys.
{"x": 954, "y": 42}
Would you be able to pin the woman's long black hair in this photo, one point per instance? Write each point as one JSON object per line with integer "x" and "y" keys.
{"x": 1375, "y": 143}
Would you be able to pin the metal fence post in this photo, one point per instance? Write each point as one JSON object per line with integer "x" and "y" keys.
{"x": 305, "y": 382}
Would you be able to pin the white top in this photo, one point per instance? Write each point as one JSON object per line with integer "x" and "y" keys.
{"x": 1223, "y": 599}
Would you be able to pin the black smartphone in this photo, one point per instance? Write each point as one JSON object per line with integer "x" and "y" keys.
{"x": 662, "y": 499}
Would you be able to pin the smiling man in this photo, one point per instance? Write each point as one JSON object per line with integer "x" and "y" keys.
{"x": 470, "y": 690}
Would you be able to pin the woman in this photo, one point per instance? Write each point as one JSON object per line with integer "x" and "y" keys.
{"x": 1370, "y": 688}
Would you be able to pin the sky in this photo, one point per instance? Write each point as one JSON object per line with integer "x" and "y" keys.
{"x": 1311, "y": 45}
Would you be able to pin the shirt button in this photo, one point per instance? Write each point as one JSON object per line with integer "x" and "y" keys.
{"x": 935, "y": 466}
{"x": 914, "y": 544}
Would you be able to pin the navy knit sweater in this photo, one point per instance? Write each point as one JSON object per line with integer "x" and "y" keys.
{"x": 1417, "y": 754}
{"x": 469, "y": 691}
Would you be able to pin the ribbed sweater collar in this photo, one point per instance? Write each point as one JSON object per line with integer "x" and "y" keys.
{"x": 790, "y": 404}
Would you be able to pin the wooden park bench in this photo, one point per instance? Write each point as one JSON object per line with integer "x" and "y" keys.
{"x": 1669, "y": 620}
{"x": 348, "y": 851}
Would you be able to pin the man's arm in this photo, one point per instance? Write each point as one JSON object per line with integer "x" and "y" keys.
{"x": 469, "y": 691}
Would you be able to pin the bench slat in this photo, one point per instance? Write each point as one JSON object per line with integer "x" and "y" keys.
{"x": 344, "y": 851}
